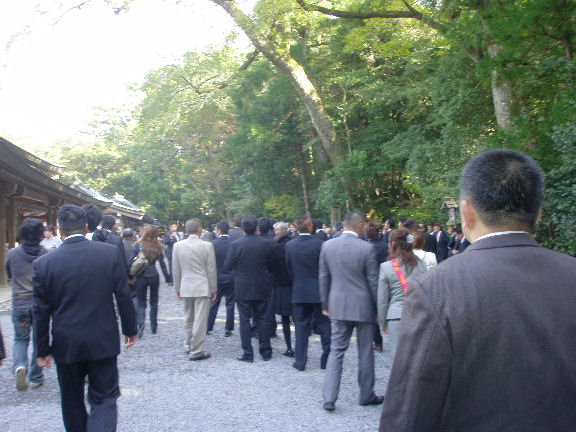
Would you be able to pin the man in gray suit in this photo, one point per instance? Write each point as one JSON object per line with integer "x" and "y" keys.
{"x": 348, "y": 276}
{"x": 487, "y": 340}
{"x": 195, "y": 280}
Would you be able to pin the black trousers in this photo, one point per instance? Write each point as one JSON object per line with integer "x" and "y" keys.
{"x": 304, "y": 314}
{"x": 256, "y": 309}
{"x": 103, "y": 391}
{"x": 224, "y": 290}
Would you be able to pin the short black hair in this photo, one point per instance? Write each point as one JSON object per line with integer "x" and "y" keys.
{"x": 317, "y": 224}
{"x": 505, "y": 187}
{"x": 223, "y": 226}
{"x": 249, "y": 224}
{"x": 71, "y": 219}
{"x": 108, "y": 221}
{"x": 31, "y": 231}
{"x": 93, "y": 216}
{"x": 411, "y": 225}
{"x": 353, "y": 218}
{"x": 237, "y": 222}
{"x": 302, "y": 222}
{"x": 390, "y": 223}
{"x": 263, "y": 225}
{"x": 127, "y": 233}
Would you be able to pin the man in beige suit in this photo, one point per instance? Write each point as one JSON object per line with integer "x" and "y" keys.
{"x": 195, "y": 280}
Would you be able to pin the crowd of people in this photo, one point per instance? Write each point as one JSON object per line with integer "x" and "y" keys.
{"x": 462, "y": 332}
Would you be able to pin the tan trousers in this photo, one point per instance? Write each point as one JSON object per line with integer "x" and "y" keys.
{"x": 196, "y": 310}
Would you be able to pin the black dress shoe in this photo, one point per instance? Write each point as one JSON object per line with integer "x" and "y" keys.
{"x": 228, "y": 333}
{"x": 267, "y": 358}
{"x": 329, "y": 406}
{"x": 298, "y": 368}
{"x": 245, "y": 358}
{"x": 377, "y": 400}
{"x": 204, "y": 356}
{"x": 288, "y": 353}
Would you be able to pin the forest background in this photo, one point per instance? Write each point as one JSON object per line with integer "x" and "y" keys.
{"x": 366, "y": 104}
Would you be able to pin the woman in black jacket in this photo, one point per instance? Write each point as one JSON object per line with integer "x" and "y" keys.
{"x": 149, "y": 278}
{"x": 282, "y": 296}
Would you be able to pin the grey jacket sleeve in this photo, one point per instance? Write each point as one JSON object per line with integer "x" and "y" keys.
{"x": 324, "y": 278}
{"x": 372, "y": 274}
{"x": 420, "y": 377}
{"x": 383, "y": 293}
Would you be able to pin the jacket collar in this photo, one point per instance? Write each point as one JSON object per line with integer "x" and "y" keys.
{"x": 505, "y": 240}
{"x": 74, "y": 239}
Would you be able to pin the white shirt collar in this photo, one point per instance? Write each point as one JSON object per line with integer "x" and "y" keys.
{"x": 75, "y": 235}
{"x": 192, "y": 236}
{"x": 302, "y": 234}
{"x": 350, "y": 232}
{"x": 223, "y": 235}
{"x": 497, "y": 233}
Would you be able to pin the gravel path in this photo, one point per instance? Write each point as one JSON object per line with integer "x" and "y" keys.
{"x": 163, "y": 391}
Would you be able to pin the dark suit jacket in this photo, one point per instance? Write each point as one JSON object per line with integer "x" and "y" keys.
{"x": 430, "y": 245}
{"x": 321, "y": 235}
{"x": 109, "y": 237}
{"x": 487, "y": 343}
{"x": 221, "y": 248}
{"x": 235, "y": 233}
{"x": 250, "y": 258}
{"x": 75, "y": 286}
{"x": 381, "y": 249}
{"x": 462, "y": 245}
{"x": 302, "y": 258}
{"x": 441, "y": 247}
{"x": 169, "y": 242}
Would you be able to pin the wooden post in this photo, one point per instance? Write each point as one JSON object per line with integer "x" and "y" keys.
{"x": 10, "y": 223}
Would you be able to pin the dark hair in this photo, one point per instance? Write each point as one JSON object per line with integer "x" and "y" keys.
{"x": 302, "y": 222}
{"x": 458, "y": 230}
{"x": 151, "y": 246}
{"x": 411, "y": 225}
{"x": 128, "y": 233}
{"x": 108, "y": 221}
{"x": 419, "y": 240}
{"x": 505, "y": 188}
{"x": 317, "y": 224}
{"x": 71, "y": 219}
{"x": 390, "y": 223}
{"x": 93, "y": 216}
{"x": 338, "y": 226}
{"x": 237, "y": 222}
{"x": 50, "y": 228}
{"x": 402, "y": 249}
{"x": 263, "y": 225}
{"x": 249, "y": 224}
{"x": 372, "y": 230}
{"x": 31, "y": 231}
{"x": 223, "y": 227}
{"x": 402, "y": 220}
{"x": 271, "y": 222}
{"x": 353, "y": 218}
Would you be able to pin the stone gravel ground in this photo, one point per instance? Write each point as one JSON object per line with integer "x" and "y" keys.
{"x": 163, "y": 391}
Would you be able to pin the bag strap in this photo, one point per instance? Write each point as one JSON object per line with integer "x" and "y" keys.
{"x": 399, "y": 274}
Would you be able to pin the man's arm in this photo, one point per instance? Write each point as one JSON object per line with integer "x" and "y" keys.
{"x": 231, "y": 258}
{"x": 371, "y": 270}
{"x": 212, "y": 273}
{"x": 40, "y": 312}
{"x": 123, "y": 297}
{"x": 420, "y": 378}
{"x": 324, "y": 279}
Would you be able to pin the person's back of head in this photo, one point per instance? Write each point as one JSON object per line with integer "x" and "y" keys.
{"x": 31, "y": 232}
{"x": 372, "y": 231}
{"x": 505, "y": 188}
{"x": 391, "y": 224}
{"x": 303, "y": 224}
{"x": 237, "y": 223}
{"x": 128, "y": 233}
{"x": 352, "y": 219}
{"x": 401, "y": 245}
{"x": 93, "y": 216}
{"x": 317, "y": 224}
{"x": 108, "y": 222}
{"x": 249, "y": 224}
{"x": 419, "y": 240}
{"x": 72, "y": 219}
{"x": 411, "y": 225}
{"x": 263, "y": 225}
{"x": 223, "y": 227}
{"x": 193, "y": 226}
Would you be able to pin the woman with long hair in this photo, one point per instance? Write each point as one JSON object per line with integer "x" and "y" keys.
{"x": 394, "y": 276}
{"x": 149, "y": 278}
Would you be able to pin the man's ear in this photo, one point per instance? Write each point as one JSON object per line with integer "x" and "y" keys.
{"x": 468, "y": 215}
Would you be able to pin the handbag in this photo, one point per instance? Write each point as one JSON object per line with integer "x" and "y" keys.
{"x": 399, "y": 274}
{"x": 138, "y": 264}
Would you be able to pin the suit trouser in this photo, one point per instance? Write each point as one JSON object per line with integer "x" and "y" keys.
{"x": 341, "y": 334}
{"x": 256, "y": 309}
{"x": 224, "y": 290}
{"x": 303, "y": 314}
{"x": 196, "y": 310}
{"x": 103, "y": 391}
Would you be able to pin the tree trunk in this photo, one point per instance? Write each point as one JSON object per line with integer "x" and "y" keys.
{"x": 295, "y": 73}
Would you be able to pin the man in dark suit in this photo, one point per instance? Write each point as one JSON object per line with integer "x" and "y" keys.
{"x": 348, "y": 276}
{"x": 487, "y": 340}
{"x": 236, "y": 232}
{"x": 74, "y": 287}
{"x": 302, "y": 259}
{"x": 107, "y": 235}
{"x": 171, "y": 237}
{"x": 225, "y": 279}
{"x": 319, "y": 229}
{"x": 431, "y": 244}
{"x": 266, "y": 232}
{"x": 441, "y": 243}
{"x": 388, "y": 226}
{"x": 250, "y": 258}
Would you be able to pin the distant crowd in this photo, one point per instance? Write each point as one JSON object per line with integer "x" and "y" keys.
{"x": 479, "y": 319}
